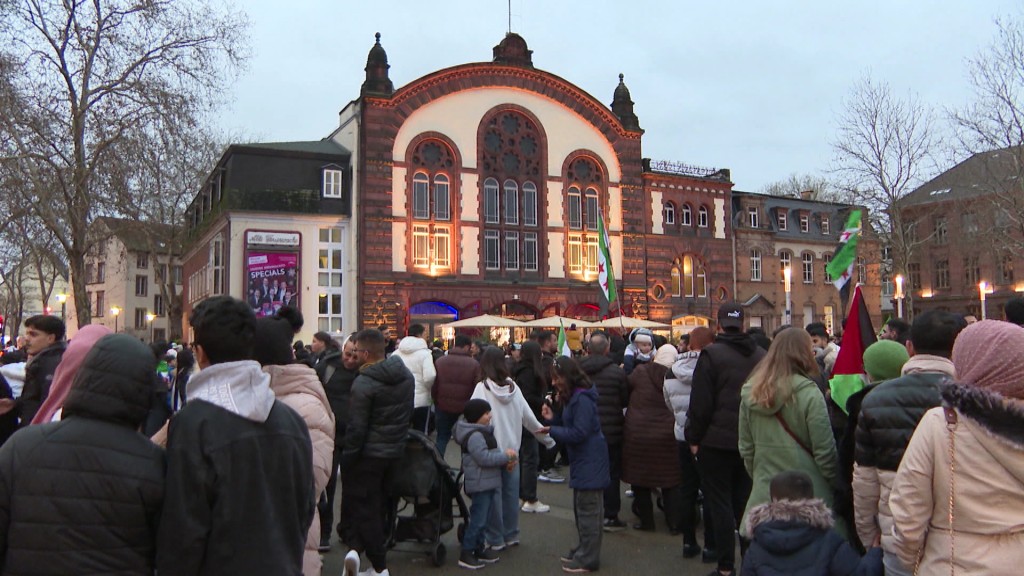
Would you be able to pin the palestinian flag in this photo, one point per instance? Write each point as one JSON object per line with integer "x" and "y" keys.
{"x": 848, "y": 374}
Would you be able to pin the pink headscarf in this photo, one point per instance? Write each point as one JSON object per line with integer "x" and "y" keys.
{"x": 70, "y": 362}
{"x": 990, "y": 355}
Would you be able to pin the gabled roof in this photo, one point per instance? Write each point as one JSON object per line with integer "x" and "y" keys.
{"x": 980, "y": 174}
{"x": 136, "y": 235}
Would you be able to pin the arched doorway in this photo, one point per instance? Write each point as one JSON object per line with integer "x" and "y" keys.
{"x": 433, "y": 314}
{"x": 517, "y": 310}
{"x": 685, "y": 324}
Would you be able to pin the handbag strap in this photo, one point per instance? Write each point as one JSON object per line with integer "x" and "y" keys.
{"x": 951, "y": 422}
{"x": 778, "y": 416}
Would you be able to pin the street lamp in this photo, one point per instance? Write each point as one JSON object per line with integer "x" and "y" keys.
{"x": 981, "y": 291}
{"x": 787, "y": 275}
{"x": 899, "y": 296}
{"x": 116, "y": 312}
{"x": 149, "y": 318}
{"x": 63, "y": 299}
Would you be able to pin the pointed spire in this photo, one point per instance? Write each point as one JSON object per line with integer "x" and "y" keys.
{"x": 622, "y": 106}
{"x": 377, "y": 80}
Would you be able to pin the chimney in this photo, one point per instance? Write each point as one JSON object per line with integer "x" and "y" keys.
{"x": 806, "y": 194}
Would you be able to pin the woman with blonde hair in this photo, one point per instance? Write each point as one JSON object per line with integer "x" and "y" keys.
{"x": 784, "y": 423}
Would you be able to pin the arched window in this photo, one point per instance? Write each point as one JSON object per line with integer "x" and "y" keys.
{"x": 583, "y": 212}
{"x": 686, "y": 218}
{"x": 755, "y": 265}
{"x": 808, "y": 267}
{"x": 668, "y": 213}
{"x": 702, "y": 217}
{"x": 511, "y": 161}
{"x": 785, "y": 261}
{"x": 694, "y": 279}
{"x": 676, "y": 290}
{"x": 430, "y": 231}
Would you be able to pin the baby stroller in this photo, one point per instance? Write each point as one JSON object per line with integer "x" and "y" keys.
{"x": 427, "y": 491}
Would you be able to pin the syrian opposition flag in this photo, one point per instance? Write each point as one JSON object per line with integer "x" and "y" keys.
{"x": 840, "y": 269}
{"x": 563, "y": 342}
{"x": 848, "y": 374}
{"x": 605, "y": 275}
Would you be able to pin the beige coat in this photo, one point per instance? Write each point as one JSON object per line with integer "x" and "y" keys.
{"x": 988, "y": 510}
{"x": 297, "y": 386}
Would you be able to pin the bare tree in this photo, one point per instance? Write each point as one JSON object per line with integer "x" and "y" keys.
{"x": 78, "y": 75}
{"x": 812, "y": 186}
{"x": 991, "y": 128}
{"x": 883, "y": 150}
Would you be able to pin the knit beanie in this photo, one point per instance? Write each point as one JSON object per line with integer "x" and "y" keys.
{"x": 884, "y": 359}
{"x": 990, "y": 355}
{"x": 666, "y": 355}
{"x": 475, "y": 409}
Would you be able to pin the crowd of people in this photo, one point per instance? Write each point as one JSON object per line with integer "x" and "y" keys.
{"x": 225, "y": 456}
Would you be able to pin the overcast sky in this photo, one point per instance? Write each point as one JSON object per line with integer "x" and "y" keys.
{"x": 748, "y": 85}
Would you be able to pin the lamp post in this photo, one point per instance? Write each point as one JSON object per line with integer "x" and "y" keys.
{"x": 787, "y": 275}
{"x": 149, "y": 318}
{"x": 899, "y": 296}
{"x": 116, "y": 312}
{"x": 982, "y": 286}
{"x": 63, "y": 299}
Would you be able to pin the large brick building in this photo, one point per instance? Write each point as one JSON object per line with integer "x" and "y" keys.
{"x": 473, "y": 189}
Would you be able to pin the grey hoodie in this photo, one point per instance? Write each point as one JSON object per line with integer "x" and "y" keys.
{"x": 482, "y": 460}
{"x": 238, "y": 387}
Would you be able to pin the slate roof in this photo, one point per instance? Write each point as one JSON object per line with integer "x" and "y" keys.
{"x": 977, "y": 175}
{"x": 310, "y": 147}
{"x": 135, "y": 234}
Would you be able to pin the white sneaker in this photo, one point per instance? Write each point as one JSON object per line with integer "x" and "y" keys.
{"x": 536, "y": 507}
{"x": 551, "y": 476}
{"x": 351, "y": 563}
{"x": 371, "y": 572}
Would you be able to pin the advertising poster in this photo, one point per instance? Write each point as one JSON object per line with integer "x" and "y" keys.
{"x": 273, "y": 281}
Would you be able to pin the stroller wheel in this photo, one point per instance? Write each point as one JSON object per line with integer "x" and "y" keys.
{"x": 438, "y": 555}
{"x": 461, "y": 531}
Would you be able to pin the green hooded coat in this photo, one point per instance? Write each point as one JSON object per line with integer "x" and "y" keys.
{"x": 768, "y": 449}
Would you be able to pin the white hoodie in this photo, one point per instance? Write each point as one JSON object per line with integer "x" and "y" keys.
{"x": 416, "y": 356}
{"x": 510, "y": 414}
{"x": 239, "y": 387}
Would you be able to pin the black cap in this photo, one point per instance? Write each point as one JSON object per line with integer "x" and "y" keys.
{"x": 475, "y": 409}
{"x": 730, "y": 315}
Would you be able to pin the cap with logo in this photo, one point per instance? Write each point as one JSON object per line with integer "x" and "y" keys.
{"x": 730, "y": 315}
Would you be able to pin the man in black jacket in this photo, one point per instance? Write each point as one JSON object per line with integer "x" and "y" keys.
{"x": 44, "y": 342}
{"x": 239, "y": 463}
{"x": 337, "y": 371}
{"x": 712, "y": 427}
{"x": 84, "y": 494}
{"x": 612, "y": 398}
{"x": 380, "y": 411}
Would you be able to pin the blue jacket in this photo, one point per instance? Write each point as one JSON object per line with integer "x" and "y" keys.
{"x": 795, "y": 538}
{"x": 482, "y": 460}
{"x": 579, "y": 429}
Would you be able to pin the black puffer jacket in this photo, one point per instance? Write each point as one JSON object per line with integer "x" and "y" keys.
{"x": 612, "y": 394}
{"x": 83, "y": 495}
{"x": 380, "y": 410}
{"x": 531, "y": 385}
{"x": 889, "y": 415}
{"x": 337, "y": 381}
{"x": 38, "y": 377}
{"x": 713, "y": 418}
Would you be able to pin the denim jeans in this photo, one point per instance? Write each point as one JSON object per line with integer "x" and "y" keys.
{"x": 479, "y": 512}
{"x": 504, "y": 521}
{"x": 445, "y": 421}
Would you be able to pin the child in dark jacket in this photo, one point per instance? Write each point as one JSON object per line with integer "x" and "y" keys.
{"x": 793, "y": 534}
{"x": 482, "y": 462}
{"x": 579, "y": 430}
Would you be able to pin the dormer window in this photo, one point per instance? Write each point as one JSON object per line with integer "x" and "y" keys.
{"x": 783, "y": 220}
{"x": 332, "y": 183}
{"x": 825, "y": 225}
{"x": 752, "y": 216}
{"x": 805, "y": 223}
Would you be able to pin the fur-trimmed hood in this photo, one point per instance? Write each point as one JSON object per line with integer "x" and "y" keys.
{"x": 1001, "y": 417}
{"x": 785, "y": 526}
